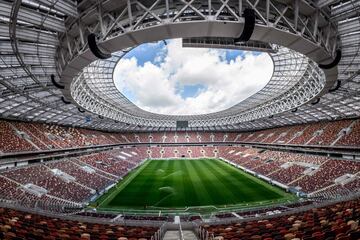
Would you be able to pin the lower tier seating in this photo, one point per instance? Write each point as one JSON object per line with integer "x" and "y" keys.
{"x": 339, "y": 221}
{"x": 73, "y": 182}
{"x": 16, "y": 225}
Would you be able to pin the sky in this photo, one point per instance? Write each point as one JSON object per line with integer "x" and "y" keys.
{"x": 168, "y": 79}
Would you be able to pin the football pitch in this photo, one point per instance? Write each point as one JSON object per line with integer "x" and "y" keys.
{"x": 188, "y": 184}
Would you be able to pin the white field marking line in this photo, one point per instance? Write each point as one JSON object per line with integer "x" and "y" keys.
{"x": 124, "y": 183}
{"x": 218, "y": 208}
{"x": 258, "y": 180}
{"x": 187, "y": 208}
{"x": 164, "y": 198}
{"x": 173, "y": 173}
{"x": 230, "y": 206}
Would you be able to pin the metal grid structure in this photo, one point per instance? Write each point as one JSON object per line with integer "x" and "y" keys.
{"x": 43, "y": 37}
{"x": 94, "y": 90}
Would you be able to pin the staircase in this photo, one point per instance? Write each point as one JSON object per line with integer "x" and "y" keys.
{"x": 175, "y": 235}
{"x": 178, "y": 231}
{"x": 189, "y": 235}
{"x": 343, "y": 132}
{"x": 172, "y": 235}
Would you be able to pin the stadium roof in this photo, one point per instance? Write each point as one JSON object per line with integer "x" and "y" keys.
{"x": 43, "y": 38}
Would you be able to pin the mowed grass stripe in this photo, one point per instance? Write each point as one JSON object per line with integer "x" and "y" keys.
{"x": 192, "y": 194}
{"x": 252, "y": 188}
{"x": 211, "y": 183}
{"x": 113, "y": 192}
{"x": 154, "y": 181}
{"x": 142, "y": 185}
{"x": 179, "y": 185}
{"x": 158, "y": 178}
{"x": 225, "y": 182}
{"x": 202, "y": 192}
{"x": 217, "y": 193}
{"x": 237, "y": 182}
{"x": 164, "y": 184}
{"x": 246, "y": 190}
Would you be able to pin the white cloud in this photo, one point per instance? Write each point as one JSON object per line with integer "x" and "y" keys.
{"x": 155, "y": 87}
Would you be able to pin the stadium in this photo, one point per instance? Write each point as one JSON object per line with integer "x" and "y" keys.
{"x": 180, "y": 119}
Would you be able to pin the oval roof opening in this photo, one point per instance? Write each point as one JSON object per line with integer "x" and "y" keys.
{"x": 166, "y": 78}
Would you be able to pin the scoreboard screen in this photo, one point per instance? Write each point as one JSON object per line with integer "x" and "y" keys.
{"x": 182, "y": 124}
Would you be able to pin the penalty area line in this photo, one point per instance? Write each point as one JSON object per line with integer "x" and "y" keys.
{"x": 122, "y": 184}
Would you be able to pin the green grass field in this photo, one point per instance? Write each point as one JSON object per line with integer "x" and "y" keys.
{"x": 179, "y": 184}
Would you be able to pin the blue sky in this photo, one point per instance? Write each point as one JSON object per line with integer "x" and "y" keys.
{"x": 169, "y": 79}
{"x": 155, "y": 54}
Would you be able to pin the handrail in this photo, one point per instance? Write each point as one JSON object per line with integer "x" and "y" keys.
{"x": 204, "y": 234}
{"x": 181, "y": 232}
{"x": 159, "y": 234}
{"x": 16, "y": 206}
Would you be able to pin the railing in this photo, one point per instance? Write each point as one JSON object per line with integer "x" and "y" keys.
{"x": 292, "y": 211}
{"x": 159, "y": 233}
{"x": 203, "y": 234}
{"x": 17, "y": 206}
{"x": 181, "y": 232}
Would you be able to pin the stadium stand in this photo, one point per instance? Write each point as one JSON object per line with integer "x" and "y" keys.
{"x": 351, "y": 136}
{"x": 12, "y": 140}
{"x": 106, "y": 162}
{"x": 63, "y": 186}
{"x": 338, "y": 221}
{"x": 83, "y": 175}
{"x": 43, "y": 177}
{"x": 21, "y": 225}
{"x": 81, "y": 158}
{"x": 33, "y": 137}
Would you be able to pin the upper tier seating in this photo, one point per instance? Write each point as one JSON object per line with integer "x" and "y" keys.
{"x": 331, "y": 132}
{"x": 23, "y": 136}
{"x": 308, "y": 133}
{"x": 352, "y": 138}
{"x": 11, "y": 140}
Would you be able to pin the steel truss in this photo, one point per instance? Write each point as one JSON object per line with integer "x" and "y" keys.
{"x": 134, "y": 18}
{"x": 295, "y": 80}
{"x": 39, "y": 38}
